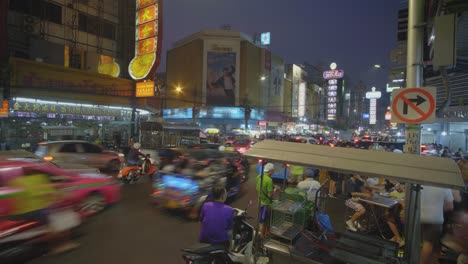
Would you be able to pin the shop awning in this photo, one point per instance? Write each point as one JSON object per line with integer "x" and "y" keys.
{"x": 407, "y": 168}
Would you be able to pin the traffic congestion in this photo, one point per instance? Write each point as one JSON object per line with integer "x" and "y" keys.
{"x": 295, "y": 203}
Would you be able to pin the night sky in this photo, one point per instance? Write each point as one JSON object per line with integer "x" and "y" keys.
{"x": 356, "y": 34}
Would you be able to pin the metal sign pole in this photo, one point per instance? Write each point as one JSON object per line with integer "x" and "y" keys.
{"x": 414, "y": 73}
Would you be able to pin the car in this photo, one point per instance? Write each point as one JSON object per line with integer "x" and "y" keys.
{"x": 90, "y": 193}
{"x": 242, "y": 145}
{"x": 81, "y": 152}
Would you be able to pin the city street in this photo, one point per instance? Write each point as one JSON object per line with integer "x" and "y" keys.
{"x": 135, "y": 231}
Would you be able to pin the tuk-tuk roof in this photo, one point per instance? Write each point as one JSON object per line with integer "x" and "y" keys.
{"x": 409, "y": 168}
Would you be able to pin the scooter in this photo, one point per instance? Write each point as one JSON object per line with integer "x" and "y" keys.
{"x": 241, "y": 249}
{"x": 132, "y": 173}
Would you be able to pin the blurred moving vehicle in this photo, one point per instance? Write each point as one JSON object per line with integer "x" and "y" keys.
{"x": 81, "y": 152}
{"x": 132, "y": 173}
{"x": 21, "y": 241}
{"x": 91, "y": 193}
{"x": 187, "y": 185}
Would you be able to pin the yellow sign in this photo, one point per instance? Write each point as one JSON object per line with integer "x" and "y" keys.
{"x": 31, "y": 75}
{"x": 144, "y": 89}
{"x": 4, "y": 109}
{"x": 108, "y": 66}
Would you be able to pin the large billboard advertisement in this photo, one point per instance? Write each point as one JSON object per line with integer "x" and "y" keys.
{"x": 276, "y": 86}
{"x": 221, "y": 83}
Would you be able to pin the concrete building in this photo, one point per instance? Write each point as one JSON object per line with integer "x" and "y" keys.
{"x": 213, "y": 76}
{"x": 65, "y": 60}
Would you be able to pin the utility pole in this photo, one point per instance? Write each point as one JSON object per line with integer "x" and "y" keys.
{"x": 414, "y": 75}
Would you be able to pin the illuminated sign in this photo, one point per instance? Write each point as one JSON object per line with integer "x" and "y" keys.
{"x": 373, "y": 96}
{"x": 265, "y": 38}
{"x": 391, "y": 88}
{"x": 4, "y": 110}
{"x": 144, "y": 89}
{"x": 302, "y": 99}
{"x": 262, "y": 123}
{"x": 333, "y": 74}
{"x": 147, "y": 39}
{"x": 213, "y": 112}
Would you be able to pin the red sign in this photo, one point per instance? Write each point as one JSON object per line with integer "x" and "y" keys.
{"x": 146, "y": 46}
{"x": 333, "y": 74}
{"x": 413, "y": 105}
{"x": 4, "y": 110}
{"x": 145, "y": 3}
{"x": 147, "y": 30}
{"x": 147, "y": 14}
{"x": 262, "y": 123}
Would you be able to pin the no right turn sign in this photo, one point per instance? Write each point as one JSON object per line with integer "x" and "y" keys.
{"x": 413, "y": 105}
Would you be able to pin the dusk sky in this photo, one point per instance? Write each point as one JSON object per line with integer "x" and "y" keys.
{"x": 356, "y": 34}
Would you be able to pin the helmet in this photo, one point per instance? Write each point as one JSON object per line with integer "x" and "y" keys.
{"x": 137, "y": 145}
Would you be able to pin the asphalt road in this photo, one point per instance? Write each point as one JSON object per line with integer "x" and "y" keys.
{"x": 136, "y": 231}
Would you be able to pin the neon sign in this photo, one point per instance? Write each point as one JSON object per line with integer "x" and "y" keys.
{"x": 147, "y": 39}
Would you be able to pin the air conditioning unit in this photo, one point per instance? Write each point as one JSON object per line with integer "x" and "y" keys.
{"x": 30, "y": 24}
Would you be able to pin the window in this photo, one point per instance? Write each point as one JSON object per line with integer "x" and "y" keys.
{"x": 90, "y": 148}
{"x": 68, "y": 148}
{"x": 42, "y": 9}
{"x": 93, "y": 25}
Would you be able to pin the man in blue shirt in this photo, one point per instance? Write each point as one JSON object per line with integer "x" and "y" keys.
{"x": 216, "y": 219}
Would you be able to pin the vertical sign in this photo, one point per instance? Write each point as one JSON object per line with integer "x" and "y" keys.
{"x": 413, "y": 139}
{"x": 332, "y": 76}
{"x": 147, "y": 39}
{"x": 373, "y": 96}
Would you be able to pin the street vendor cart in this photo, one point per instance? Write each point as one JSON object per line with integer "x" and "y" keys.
{"x": 413, "y": 170}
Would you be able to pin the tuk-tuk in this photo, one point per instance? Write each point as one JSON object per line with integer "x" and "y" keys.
{"x": 414, "y": 170}
{"x": 187, "y": 186}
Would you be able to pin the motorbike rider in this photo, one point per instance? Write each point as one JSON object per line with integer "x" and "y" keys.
{"x": 216, "y": 219}
{"x": 133, "y": 156}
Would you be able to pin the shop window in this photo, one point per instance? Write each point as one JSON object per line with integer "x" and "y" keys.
{"x": 90, "y": 148}
{"x": 68, "y": 148}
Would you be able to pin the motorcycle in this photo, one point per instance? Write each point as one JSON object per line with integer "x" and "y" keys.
{"x": 243, "y": 168}
{"x": 241, "y": 248}
{"x": 132, "y": 173}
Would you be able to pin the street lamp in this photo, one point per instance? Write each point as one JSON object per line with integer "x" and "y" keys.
{"x": 263, "y": 78}
{"x": 377, "y": 66}
{"x": 178, "y": 89}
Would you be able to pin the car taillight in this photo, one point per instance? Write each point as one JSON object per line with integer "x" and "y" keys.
{"x": 186, "y": 200}
{"x": 48, "y": 158}
{"x": 157, "y": 192}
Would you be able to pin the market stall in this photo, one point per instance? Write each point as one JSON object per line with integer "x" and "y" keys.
{"x": 414, "y": 170}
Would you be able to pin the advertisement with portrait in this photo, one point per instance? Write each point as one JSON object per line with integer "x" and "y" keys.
{"x": 276, "y": 85}
{"x": 221, "y": 82}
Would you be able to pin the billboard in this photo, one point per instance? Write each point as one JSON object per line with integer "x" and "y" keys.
{"x": 276, "y": 86}
{"x": 221, "y": 83}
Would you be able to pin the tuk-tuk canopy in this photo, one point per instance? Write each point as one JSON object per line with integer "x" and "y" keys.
{"x": 408, "y": 168}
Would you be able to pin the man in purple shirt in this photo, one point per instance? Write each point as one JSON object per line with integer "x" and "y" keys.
{"x": 216, "y": 219}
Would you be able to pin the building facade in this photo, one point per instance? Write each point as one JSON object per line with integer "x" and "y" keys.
{"x": 67, "y": 67}
{"x": 228, "y": 81}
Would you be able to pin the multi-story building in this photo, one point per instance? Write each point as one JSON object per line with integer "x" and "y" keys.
{"x": 227, "y": 76}
{"x": 66, "y": 60}
{"x": 451, "y": 126}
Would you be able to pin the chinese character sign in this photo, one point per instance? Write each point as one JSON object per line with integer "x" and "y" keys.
{"x": 147, "y": 39}
{"x": 332, "y": 92}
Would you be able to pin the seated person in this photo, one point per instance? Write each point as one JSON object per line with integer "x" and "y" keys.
{"x": 309, "y": 184}
{"x": 355, "y": 188}
{"x": 216, "y": 219}
{"x": 394, "y": 224}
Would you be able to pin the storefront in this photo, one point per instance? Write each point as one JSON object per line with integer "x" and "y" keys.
{"x": 50, "y": 102}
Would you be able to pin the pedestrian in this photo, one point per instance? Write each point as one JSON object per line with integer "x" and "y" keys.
{"x": 434, "y": 202}
{"x": 309, "y": 184}
{"x": 459, "y": 154}
{"x": 265, "y": 193}
{"x": 295, "y": 175}
{"x": 216, "y": 219}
